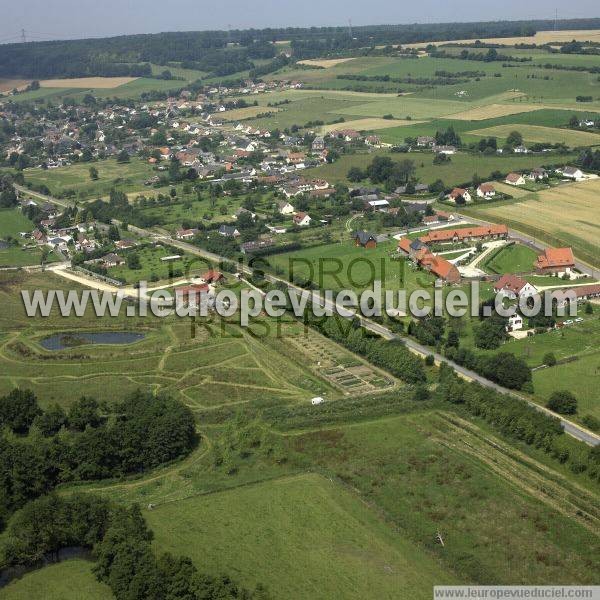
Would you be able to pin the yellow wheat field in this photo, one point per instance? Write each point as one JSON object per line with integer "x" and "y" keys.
{"x": 568, "y": 213}
{"x": 541, "y": 37}
{"x": 245, "y": 113}
{"x": 87, "y": 82}
{"x": 492, "y": 111}
{"x": 368, "y": 124}
{"x": 326, "y": 63}
{"x": 8, "y": 85}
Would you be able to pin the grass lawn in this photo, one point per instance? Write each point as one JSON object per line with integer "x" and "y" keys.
{"x": 127, "y": 177}
{"x": 302, "y": 536}
{"x": 152, "y": 268}
{"x": 16, "y": 256}
{"x": 12, "y": 222}
{"x": 344, "y": 266}
{"x": 515, "y": 258}
{"x": 581, "y": 377}
{"x": 68, "y": 580}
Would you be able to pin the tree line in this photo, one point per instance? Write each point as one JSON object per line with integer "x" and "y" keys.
{"x": 520, "y": 421}
{"x": 40, "y": 449}
{"x": 121, "y": 545}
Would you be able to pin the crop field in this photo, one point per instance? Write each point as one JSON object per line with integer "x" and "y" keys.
{"x": 87, "y": 82}
{"x": 371, "y": 124}
{"x": 69, "y": 580}
{"x": 436, "y": 473}
{"x": 325, "y": 63}
{"x": 247, "y": 112}
{"x": 75, "y": 178}
{"x": 8, "y": 85}
{"x": 535, "y": 133}
{"x": 492, "y": 111}
{"x": 420, "y": 474}
{"x": 327, "y": 546}
{"x": 405, "y": 106}
{"x": 540, "y": 38}
{"x": 561, "y": 216}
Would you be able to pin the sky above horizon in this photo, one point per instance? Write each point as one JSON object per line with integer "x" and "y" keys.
{"x": 71, "y": 19}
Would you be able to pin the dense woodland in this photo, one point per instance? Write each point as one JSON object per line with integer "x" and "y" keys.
{"x": 222, "y": 53}
{"x": 40, "y": 449}
{"x": 121, "y": 547}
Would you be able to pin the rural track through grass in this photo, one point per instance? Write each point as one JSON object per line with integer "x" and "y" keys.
{"x": 521, "y": 471}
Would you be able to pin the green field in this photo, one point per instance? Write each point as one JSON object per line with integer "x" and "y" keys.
{"x": 582, "y": 378}
{"x": 12, "y": 222}
{"x": 544, "y": 135}
{"x": 302, "y": 536}
{"x": 152, "y": 268}
{"x": 210, "y": 365}
{"x": 344, "y": 266}
{"x": 515, "y": 258}
{"x": 75, "y": 178}
{"x": 459, "y": 170}
{"x": 534, "y": 84}
{"x": 68, "y": 580}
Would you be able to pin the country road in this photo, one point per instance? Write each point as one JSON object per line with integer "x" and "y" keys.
{"x": 575, "y": 430}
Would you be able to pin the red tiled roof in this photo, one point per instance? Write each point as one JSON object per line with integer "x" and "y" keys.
{"x": 510, "y": 282}
{"x": 404, "y": 244}
{"x": 445, "y": 235}
{"x": 513, "y": 177}
{"x": 556, "y": 257}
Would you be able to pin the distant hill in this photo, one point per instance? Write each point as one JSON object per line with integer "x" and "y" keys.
{"x": 222, "y": 53}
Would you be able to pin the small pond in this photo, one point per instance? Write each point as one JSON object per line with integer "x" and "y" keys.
{"x": 63, "y": 341}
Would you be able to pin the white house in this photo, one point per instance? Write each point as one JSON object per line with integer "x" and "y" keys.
{"x": 302, "y": 219}
{"x": 515, "y": 322}
{"x": 514, "y": 287}
{"x": 486, "y": 190}
{"x": 515, "y": 179}
{"x": 572, "y": 173}
{"x": 459, "y": 192}
{"x": 285, "y": 208}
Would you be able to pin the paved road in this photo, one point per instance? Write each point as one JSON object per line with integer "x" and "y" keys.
{"x": 569, "y": 427}
{"x": 40, "y": 196}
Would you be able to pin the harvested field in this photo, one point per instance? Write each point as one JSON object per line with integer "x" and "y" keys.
{"x": 492, "y": 111}
{"x": 248, "y": 112}
{"x": 325, "y": 63}
{"x": 537, "y": 133}
{"x": 104, "y": 83}
{"x": 7, "y": 85}
{"x": 566, "y": 215}
{"x": 541, "y": 37}
{"x": 368, "y": 124}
